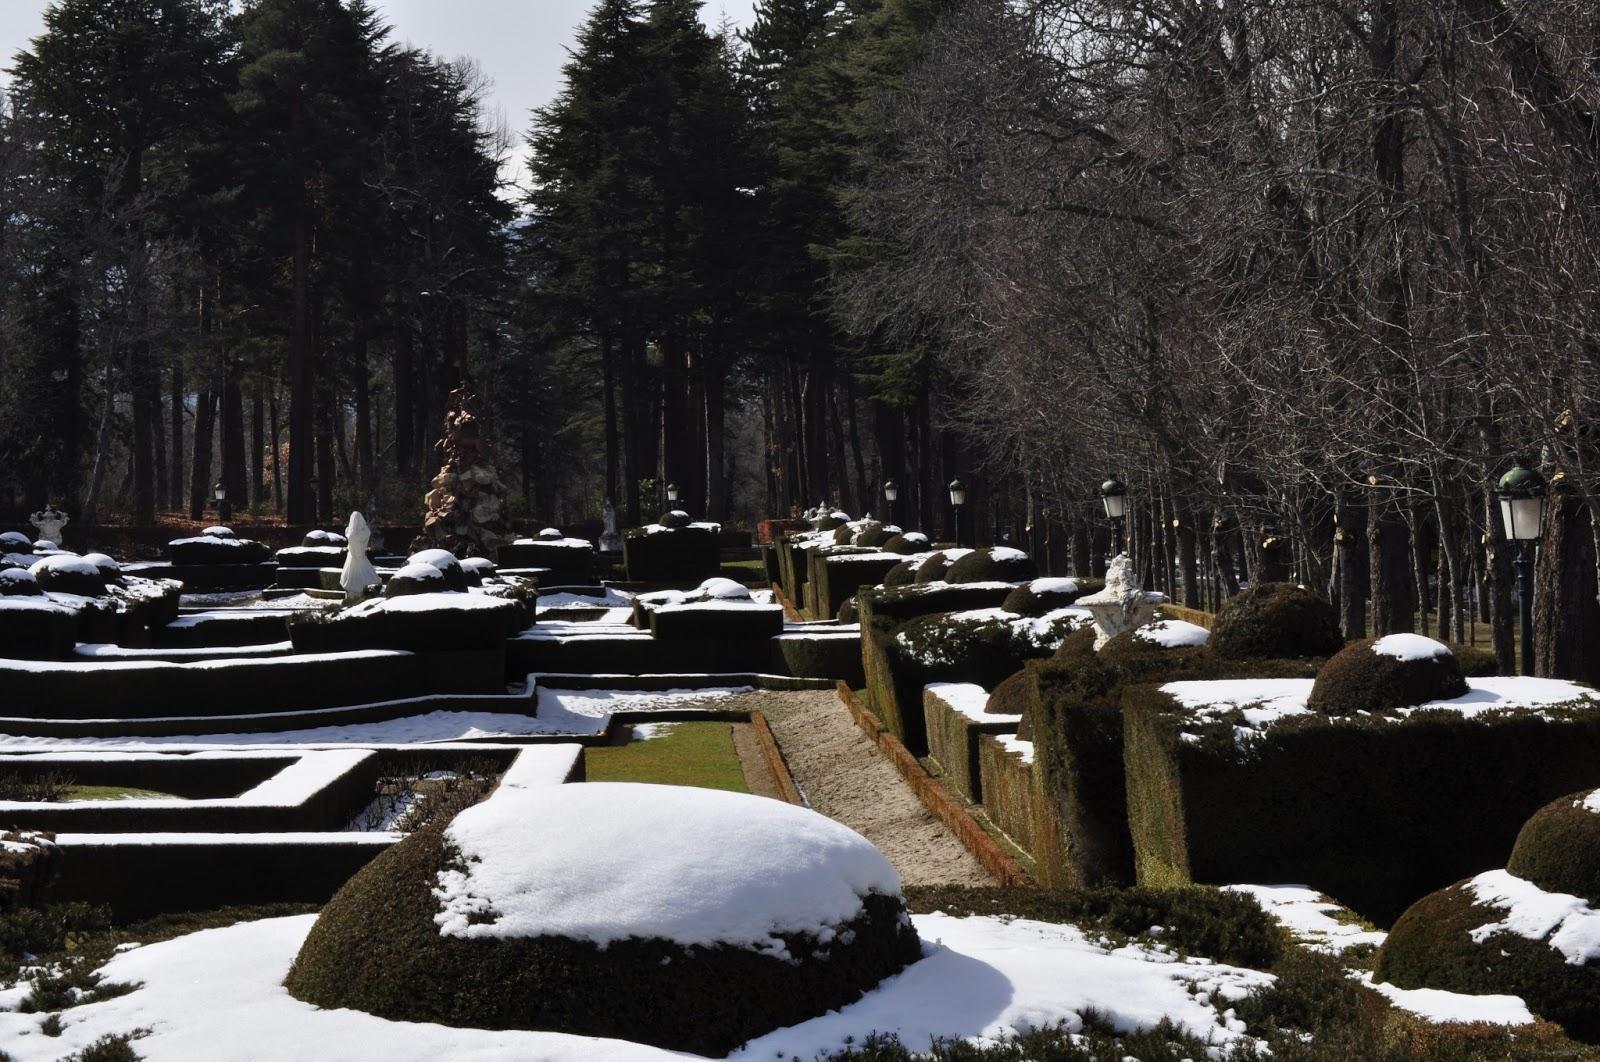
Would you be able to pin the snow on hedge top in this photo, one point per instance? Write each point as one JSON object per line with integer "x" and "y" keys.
{"x": 417, "y": 571}
{"x": 721, "y": 589}
{"x": 326, "y": 538}
{"x": 1007, "y": 553}
{"x": 546, "y": 538}
{"x": 212, "y": 540}
{"x": 1590, "y": 802}
{"x": 439, "y": 558}
{"x": 1409, "y": 647}
{"x": 1173, "y": 634}
{"x": 218, "y": 531}
{"x": 15, "y": 540}
{"x": 913, "y": 536}
{"x": 482, "y": 565}
{"x": 443, "y": 601}
{"x": 104, "y": 562}
{"x": 697, "y": 525}
{"x": 1564, "y": 922}
{"x": 1054, "y": 586}
{"x": 608, "y": 861}
{"x": 65, "y": 564}
{"x": 19, "y": 576}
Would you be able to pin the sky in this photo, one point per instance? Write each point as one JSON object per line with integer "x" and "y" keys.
{"x": 520, "y": 44}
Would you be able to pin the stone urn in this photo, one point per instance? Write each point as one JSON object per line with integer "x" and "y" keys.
{"x": 1122, "y": 605}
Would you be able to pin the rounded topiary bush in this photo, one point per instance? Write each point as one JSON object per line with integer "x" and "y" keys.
{"x": 477, "y": 569}
{"x": 15, "y": 542}
{"x": 686, "y": 918}
{"x": 1395, "y": 671}
{"x": 1168, "y": 646}
{"x": 1044, "y": 595}
{"x": 673, "y": 520}
{"x": 323, "y": 539}
{"x": 415, "y": 579}
{"x": 449, "y": 565}
{"x": 1276, "y": 621}
{"x": 1001, "y": 564}
{"x": 873, "y": 535}
{"x": 935, "y": 566}
{"x": 902, "y": 574}
{"x": 107, "y": 565}
{"x": 1558, "y": 849}
{"x": 19, "y": 582}
{"x": 218, "y": 545}
{"x": 1010, "y": 697}
{"x": 829, "y": 521}
{"x": 67, "y": 574}
{"x": 848, "y": 611}
{"x": 1469, "y": 938}
{"x": 907, "y": 543}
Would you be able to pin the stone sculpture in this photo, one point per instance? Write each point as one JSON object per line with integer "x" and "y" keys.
{"x": 359, "y": 577}
{"x": 610, "y": 538}
{"x": 49, "y": 521}
{"x": 466, "y": 507}
{"x": 1122, "y": 605}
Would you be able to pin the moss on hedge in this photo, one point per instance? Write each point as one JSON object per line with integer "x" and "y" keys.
{"x": 1275, "y": 621}
{"x": 376, "y": 948}
{"x": 1558, "y": 849}
{"x": 1359, "y": 679}
{"x": 1431, "y": 946}
{"x": 992, "y": 566}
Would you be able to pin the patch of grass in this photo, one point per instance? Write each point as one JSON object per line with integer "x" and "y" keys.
{"x": 116, "y": 792}
{"x": 694, "y": 754}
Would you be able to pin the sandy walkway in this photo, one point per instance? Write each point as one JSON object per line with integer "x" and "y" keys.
{"x": 845, "y": 778}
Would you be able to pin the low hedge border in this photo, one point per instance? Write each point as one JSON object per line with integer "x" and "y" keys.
{"x": 953, "y": 739}
{"x": 836, "y": 577}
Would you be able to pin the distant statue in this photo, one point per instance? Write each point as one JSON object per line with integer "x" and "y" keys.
{"x": 359, "y": 576}
{"x": 49, "y": 521}
{"x": 610, "y": 539}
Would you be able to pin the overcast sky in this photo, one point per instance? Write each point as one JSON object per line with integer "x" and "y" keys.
{"x": 519, "y": 43}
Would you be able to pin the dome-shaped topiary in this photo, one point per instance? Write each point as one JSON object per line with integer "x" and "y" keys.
{"x": 449, "y": 565}
{"x": 415, "y": 579}
{"x": 68, "y": 574}
{"x": 686, "y": 918}
{"x": 323, "y": 539}
{"x": 849, "y": 611}
{"x": 1001, "y": 564}
{"x": 873, "y": 535}
{"x": 1558, "y": 849}
{"x": 477, "y": 569}
{"x": 1010, "y": 697}
{"x": 829, "y": 521}
{"x": 15, "y": 542}
{"x": 935, "y": 566}
{"x": 842, "y": 535}
{"x": 1500, "y": 934}
{"x": 673, "y": 520}
{"x": 902, "y": 574}
{"x": 107, "y": 565}
{"x": 1044, "y": 595}
{"x": 19, "y": 582}
{"x": 1395, "y": 671}
{"x": 907, "y": 543}
{"x": 1276, "y": 621}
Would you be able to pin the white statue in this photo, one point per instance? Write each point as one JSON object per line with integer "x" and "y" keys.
{"x": 359, "y": 576}
{"x": 610, "y": 540}
{"x": 1122, "y": 605}
{"x": 49, "y": 521}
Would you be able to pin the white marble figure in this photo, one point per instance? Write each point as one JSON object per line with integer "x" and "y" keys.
{"x": 359, "y": 576}
{"x": 49, "y": 522}
{"x": 1122, "y": 605}
{"x": 610, "y": 540}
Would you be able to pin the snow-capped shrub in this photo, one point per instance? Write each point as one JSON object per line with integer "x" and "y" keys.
{"x": 1276, "y": 621}
{"x": 217, "y": 545}
{"x": 934, "y": 567}
{"x": 1396, "y": 671}
{"x": 1497, "y": 933}
{"x": 653, "y": 914}
{"x": 67, "y": 574}
{"x": 1558, "y": 848}
{"x": 848, "y": 612}
{"x": 1010, "y": 697}
{"x": 316, "y": 539}
{"x": 907, "y": 543}
{"x": 873, "y": 535}
{"x": 999, "y": 564}
{"x": 15, "y": 542}
{"x": 550, "y": 534}
{"x": 673, "y": 520}
{"x": 426, "y": 621}
{"x": 108, "y": 566}
{"x": 19, "y": 582}
{"x": 477, "y": 569}
{"x": 449, "y": 565}
{"x": 902, "y": 574}
{"x": 415, "y": 579}
{"x": 1046, "y": 595}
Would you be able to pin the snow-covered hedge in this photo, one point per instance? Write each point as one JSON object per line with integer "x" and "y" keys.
{"x": 1395, "y": 671}
{"x": 1276, "y": 621}
{"x": 661, "y": 554}
{"x": 1558, "y": 849}
{"x": 217, "y": 545}
{"x": 441, "y": 621}
{"x": 684, "y": 918}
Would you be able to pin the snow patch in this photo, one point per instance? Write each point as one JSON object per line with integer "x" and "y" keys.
{"x": 1408, "y": 647}
{"x": 1173, "y": 634}
{"x": 1451, "y": 1008}
{"x": 1566, "y": 923}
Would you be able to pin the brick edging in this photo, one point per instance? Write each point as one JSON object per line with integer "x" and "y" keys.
{"x": 775, "y": 761}
{"x": 789, "y": 611}
{"x": 1001, "y": 865}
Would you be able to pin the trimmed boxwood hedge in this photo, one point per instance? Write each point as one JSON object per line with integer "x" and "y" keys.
{"x": 685, "y": 555}
{"x": 737, "y": 623}
{"x": 1373, "y": 811}
{"x": 1276, "y": 621}
{"x": 569, "y": 565}
{"x": 1558, "y": 849}
{"x": 933, "y": 568}
{"x": 206, "y": 550}
{"x": 1358, "y": 679}
{"x": 953, "y": 743}
{"x": 1431, "y": 946}
{"x": 376, "y": 948}
{"x": 1026, "y": 601}
{"x": 984, "y": 566}
{"x": 371, "y": 626}
{"x": 836, "y": 575}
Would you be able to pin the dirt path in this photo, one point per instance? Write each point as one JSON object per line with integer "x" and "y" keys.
{"x": 845, "y": 778}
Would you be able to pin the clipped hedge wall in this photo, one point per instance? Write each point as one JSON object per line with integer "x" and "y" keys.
{"x": 953, "y": 742}
{"x": 371, "y": 626}
{"x": 376, "y": 948}
{"x": 807, "y": 655}
{"x": 203, "y": 551}
{"x": 569, "y": 565}
{"x": 685, "y": 555}
{"x": 835, "y": 577}
{"x": 37, "y": 632}
{"x": 1374, "y": 812}
{"x": 738, "y": 623}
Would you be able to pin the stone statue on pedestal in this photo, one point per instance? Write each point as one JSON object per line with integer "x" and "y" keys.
{"x": 610, "y": 538}
{"x": 1122, "y": 605}
{"x": 359, "y": 577}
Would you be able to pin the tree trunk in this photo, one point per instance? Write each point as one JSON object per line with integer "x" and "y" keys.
{"x": 1566, "y": 614}
{"x": 175, "y": 467}
{"x": 205, "y": 416}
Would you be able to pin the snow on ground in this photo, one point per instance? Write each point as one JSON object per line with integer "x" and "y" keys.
{"x": 1308, "y": 916}
{"x": 642, "y": 868}
{"x": 1437, "y": 1005}
{"x": 218, "y": 996}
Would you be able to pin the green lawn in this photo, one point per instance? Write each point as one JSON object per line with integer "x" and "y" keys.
{"x": 698, "y": 754}
{"x": 115, "y": 792}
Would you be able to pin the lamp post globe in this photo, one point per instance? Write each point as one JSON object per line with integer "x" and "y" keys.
{"x": 958, "y": 498}
{"x": 672, "y": 493}
{"x": 224, "y": 510}
{"x": 1114, "y": 497}
{"x": 891, "y": 494}
{"x": 1522, "y": 493}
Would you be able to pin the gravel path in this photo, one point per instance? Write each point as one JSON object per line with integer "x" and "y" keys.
{"x": 845, "y": 778}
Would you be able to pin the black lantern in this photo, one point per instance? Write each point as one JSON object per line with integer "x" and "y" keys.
{"x": 1114, "y": 496}
{"x": 891, "y": 494}
{"x": 1522, "y": 495}
{"x": 672, "y": 492}
{"x": 958, "y": 498}
{"x": 220, "y": 493}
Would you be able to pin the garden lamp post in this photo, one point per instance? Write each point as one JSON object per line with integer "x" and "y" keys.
{"x": 1522, "y": 501}
{"x": 224, "y": 510}
{"x": 891, "y": 494}
{"x": 958, "y": 498}
{"x": 1114, "y": 496}
{"x": 672, "y": 493}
